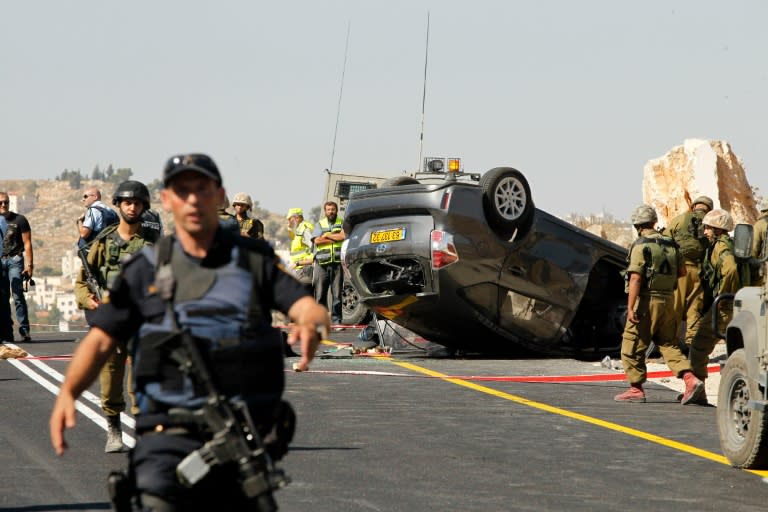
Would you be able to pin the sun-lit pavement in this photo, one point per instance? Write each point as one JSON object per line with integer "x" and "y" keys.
{"x": 656, "y": 364}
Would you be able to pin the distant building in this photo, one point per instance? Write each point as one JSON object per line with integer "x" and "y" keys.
{"x": 51, "y": 292}
{"x": 66, "y": 303}
{"x": 20, "y": 204}
{"x": 70, "y": 265}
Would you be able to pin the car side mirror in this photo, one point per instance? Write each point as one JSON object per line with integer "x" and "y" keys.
{"x": 742, "y": 241}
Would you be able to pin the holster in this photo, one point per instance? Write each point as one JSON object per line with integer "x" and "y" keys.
{"x": 122, "y": 490}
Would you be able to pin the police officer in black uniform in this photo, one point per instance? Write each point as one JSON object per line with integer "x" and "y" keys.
{"x": 219, "y": 288}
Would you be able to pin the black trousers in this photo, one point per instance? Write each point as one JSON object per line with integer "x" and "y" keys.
{"x": 329, "y": 277}
{"x": 154, "y": 461}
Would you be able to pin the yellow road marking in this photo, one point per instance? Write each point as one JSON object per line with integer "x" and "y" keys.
{"x": 580, "y": 417}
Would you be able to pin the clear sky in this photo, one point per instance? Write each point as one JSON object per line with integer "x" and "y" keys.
{"x": 578, "y": 95}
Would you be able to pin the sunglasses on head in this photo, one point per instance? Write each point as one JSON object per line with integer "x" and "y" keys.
{"x": 4, "y": 202}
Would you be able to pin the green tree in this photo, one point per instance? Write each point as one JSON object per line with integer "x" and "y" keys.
{"x": 121, "y": 175}
{"x": 54, "y": 316}
{"x": 155, "y": 186}
{"x": 97, "y": 174}
{"x": 75, "y": 180}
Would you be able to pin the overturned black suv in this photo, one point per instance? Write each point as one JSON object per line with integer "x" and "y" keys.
{"x": 468, "y": 262}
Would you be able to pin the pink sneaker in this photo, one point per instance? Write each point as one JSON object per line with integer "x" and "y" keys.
{"x": 694, "y": 388}
{"x": 633, "y": 394}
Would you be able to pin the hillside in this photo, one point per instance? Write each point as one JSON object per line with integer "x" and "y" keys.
{"x": 55, "y": 207}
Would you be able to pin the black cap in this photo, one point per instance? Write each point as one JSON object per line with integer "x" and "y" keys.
{"x": 196, "y": 162}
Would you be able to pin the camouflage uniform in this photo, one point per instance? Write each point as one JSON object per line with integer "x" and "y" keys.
{"x": 655, "y": 310}
{"x": 251, "y": 227}
{"x": 687, "y": 231}
{"x": 722, "y": 277}
{"x": 104, "y": 258}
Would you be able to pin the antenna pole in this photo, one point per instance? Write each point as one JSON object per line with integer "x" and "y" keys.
{"x": 423, "y": 99}
{"x": 341, "y": 91}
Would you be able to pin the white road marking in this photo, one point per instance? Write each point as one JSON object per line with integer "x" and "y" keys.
{"x": 88, "y": 412}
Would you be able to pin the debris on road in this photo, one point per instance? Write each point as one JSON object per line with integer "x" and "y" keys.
{"x": 7, "y": 352}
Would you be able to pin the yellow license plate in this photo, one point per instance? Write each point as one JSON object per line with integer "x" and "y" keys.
{"x": 388, "y": 235}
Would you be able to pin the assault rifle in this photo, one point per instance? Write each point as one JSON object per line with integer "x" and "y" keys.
{"x": 90, "y": 279}
{"x": 235, "y": 437}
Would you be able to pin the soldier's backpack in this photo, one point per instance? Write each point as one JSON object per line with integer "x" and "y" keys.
{"x": 690, "y": 238}
{"x": 108, "y": 216}
{"x": 661, "y": 260}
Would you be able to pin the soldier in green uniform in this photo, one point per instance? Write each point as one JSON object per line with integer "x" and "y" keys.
{"x": 687, "y": 230}
{"x": 654, "y": 265}
{"x": 760, "y": 243}
{"x": 109, "y": 249}
{"x": 720, "y": 274}
{"x": 250, "y": 227}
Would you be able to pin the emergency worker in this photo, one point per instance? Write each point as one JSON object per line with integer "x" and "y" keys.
{"x": 654, "y": 266}
{"x": 243, "y": 204}
{"x": 111, "y": 247}
{"x": 300, "y": 233}
{"x": 97, "y": 216}
{"x": 214, "y": 290}
{"x": 760, "y": 243}
{"x": 688, "y": 232}
{"x": 328, "y": 237}
{"x": 720, "y": 274}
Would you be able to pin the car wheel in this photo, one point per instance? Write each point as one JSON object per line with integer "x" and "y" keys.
{"x": 353, "y": 312}
{"x": 742, "y": 429}
{"x": 507, "y": 201}
{"x": 398, "y": 181}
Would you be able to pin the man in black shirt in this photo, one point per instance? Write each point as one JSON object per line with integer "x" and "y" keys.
{"x": 17, "y": 265}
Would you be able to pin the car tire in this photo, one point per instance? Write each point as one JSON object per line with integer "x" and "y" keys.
{"x": 742, "y": 429}
{"x": 353, "y": 312}
{"x": 398, "y": 181}
{"x": 507, "y": 201}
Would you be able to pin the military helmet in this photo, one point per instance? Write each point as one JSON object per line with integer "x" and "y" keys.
{"x": 718, "y": 219}
{"x": 705, "y": 200}
{"x": 131, "y": 189}
{"x": 763, "y": 205}
{"x": 242, "y": 198}
{"x": 643, "y": 214}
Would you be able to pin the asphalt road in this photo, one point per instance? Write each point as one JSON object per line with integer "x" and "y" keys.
{"x": 394, "y": 434}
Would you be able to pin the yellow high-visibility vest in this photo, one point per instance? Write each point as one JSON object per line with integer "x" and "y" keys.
{"x": 299, "y": 250}
{"x": 325, "y": 254}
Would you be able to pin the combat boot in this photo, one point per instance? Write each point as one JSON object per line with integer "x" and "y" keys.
{"x": 694, "y": 388}
{"x": 635, "y": 393}
{"x": 114, "y": 435}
